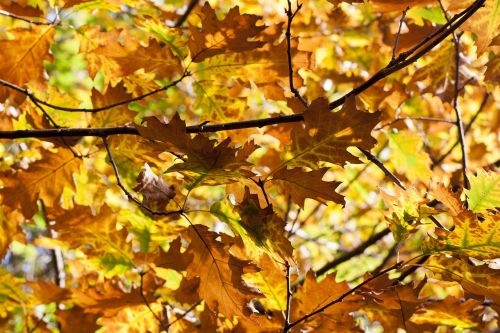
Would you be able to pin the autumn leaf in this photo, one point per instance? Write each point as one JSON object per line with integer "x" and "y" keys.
{"x": 263, "y": 226}
{"x": 470, "y": 237}
{"x": 95, "y": 234}
{"x": 45, "y": 180}
{"x": 484, "y": 192}
{"x": 215, "y": 273}
{"x": 207, "y": 161}
{"x": 485, "y": 24}
{"x": 313, "y": 294}
{"x": 229, "y": 35}
{"x": 22, "y": 57}
{"x": 302, "y": 185}
{"x": 327, "y": 135}
{"x": 406, "y": 210}
{"x": 156, "y": 194}
{"x": 408, "y": 156}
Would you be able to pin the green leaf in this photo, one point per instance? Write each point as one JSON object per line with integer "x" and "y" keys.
{"x": 484, "y": 191}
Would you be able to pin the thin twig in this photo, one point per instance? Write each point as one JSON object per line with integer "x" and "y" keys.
{"x": 396, "y": 42}
{"x": 344, "y": 295}
{"x": 382, "y": 167}
{"x": 92, "y": 110}
{"x": 439, "y": 160}
{"x": 458, "y": 114}
{"x": 261, "y": 185}
{"x": 30, "y": 21}
{"x": 127, "y": 193}
{"x": 354, "y": 252}
{"x": 184, "y": 16}
{"x": 438, "y": 120}
{"x": 288, "y": 298}
{"x": 185, "y": 313}
{"x": 290, "y": 15}
{"x": 143, "y": 296}
{"x": 411, "y": 269}
{"x": 395, "y": 179}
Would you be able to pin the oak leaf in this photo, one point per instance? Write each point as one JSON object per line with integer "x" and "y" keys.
{"x": 264, "y": 226}
{"x": 484, "y": 192}
{"x": 22, "y": 57}
{"x": 45, "y": 179}
{"x": 301, "y": 185}
{"x": 208, "y": 162}
{"x": 470, "y": 237}
{"x": 408, "y": 156}
{"x": 156, "y": 194}
{"x": 214, "y": 274}
{"x": 327, "y": 135}
{"x": 229, "y": 35}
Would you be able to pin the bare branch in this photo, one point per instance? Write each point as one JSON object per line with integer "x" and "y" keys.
{"x": 396, "y": 42}
{"x": 290, "y": 15}
{"x": 382, "y": 167}
{"x": 344, "y": 295}
{"x": 93, "y": 110}
{"x": 439, "y": 160}
{"x": 184, "y": 16}
{"x": 143, "y": 296}
{"x": 288, "y": 298}
{"x": 398, "y": 119}
{"x": 30, "y": 21}
{"x": 354, "y": 252}
{"x": 185, "y": 313}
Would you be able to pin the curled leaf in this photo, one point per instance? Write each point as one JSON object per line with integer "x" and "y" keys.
{"x": 156, "y": 194}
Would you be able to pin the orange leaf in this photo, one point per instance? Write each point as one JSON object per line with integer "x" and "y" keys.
{"x": 302, "y": 185}
{"x": 21, "y": 59}
{"x": 45, "y": 180}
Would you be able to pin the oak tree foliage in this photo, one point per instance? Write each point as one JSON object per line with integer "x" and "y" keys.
{"x": 249, "y": 166}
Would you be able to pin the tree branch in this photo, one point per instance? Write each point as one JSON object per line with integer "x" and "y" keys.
{"x": 466, "y": 130}
{"x": 143, "y": 296}
{"x": 288, "y": 298}
{"x": 354, "y": 252}
{"x": 398, "y": 35}
{"x": 30, "y": 21}
{"x": 290, "y": 15}
{"x": 344, "y": 295}
{"x": 184, "y": 16}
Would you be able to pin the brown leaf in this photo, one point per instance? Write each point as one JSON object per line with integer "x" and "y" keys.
{"x": 219, "y": 273}
{"x": 301, "y": 185}
{"x": 155, "y": 193}
{"x": 45, "y": 180}
{"x": 230, "y": 35}
{"x": 327, "y": 135}
{"x": 313, "y": 294}
{"x": 208, "y": 161}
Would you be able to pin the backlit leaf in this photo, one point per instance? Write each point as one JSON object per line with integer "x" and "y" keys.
{"x": 484, "y": 191}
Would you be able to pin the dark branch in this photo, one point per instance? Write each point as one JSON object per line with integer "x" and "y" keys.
{"x": 354, "y": 252}
{"x": 93, "y": 110}
{"x": 288, "y": 298}
{"x": 396, "y": 42}
{"x": 30, "y": 21}
{"x": 382, "y": 167}
{"x": 398, "y": 119}
{"x": 143, "y": 296}
{"x": 184, "y": 16}
{"x": 344, "y": 295}
{"x": 290, "y": 15}
{"x": 439, "y": 160}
